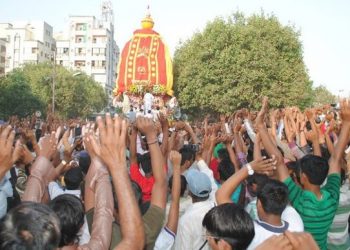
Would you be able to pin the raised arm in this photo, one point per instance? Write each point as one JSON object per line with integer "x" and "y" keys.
{"x": 7, "y": 137}
{"x": 112, "y": 152}
{"x": 36, "y": 186}
{"x": 268, "y": 144}
{"x": 313, "y": 134}
{"x": 223, "y": 195}
{"x": 132, "y": 144}
{"x": 173, "y": 216}
{"x": 165, "y": 130}
{"x": 159, "y": 190}
{"x": 335, "y": 160}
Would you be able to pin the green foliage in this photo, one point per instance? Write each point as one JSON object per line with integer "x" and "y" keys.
{"x": 16, "y": 97}
{"x": 233, "y": 62}
{"x": 75, "y": 95}
{"x": 321, "y": 96}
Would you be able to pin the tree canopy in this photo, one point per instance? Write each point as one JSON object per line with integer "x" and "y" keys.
{"x": 75, "y": 94}
{"x": 235, "y": 61}
{"x": 322, "y": 96}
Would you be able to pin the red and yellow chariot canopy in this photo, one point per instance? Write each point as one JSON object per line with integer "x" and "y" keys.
{"x": 145, "y": 64}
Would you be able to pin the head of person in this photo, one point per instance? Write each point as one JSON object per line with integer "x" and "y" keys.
{"x": 144, "y": 162}
{"x": 183, "y": 185}
{"x": 222, "y": 154}
{"x": 254, "y": 181}
{"x": 198, "y": 184}
{"x": 272, "y": 198}
{"x": 73, "y": 178}
{"x": 228, "y": 226}
{"x": 313, "y": 170}
{"x": 226, "y": 169}
{"x": 30, "y": 226}
{"x": 84, "y": 161}
{"x": 70, "y": 211}
{"x": 187, "y": 157}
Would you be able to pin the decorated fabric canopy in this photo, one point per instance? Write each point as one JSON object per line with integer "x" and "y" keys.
{"x": 145, "y": 64}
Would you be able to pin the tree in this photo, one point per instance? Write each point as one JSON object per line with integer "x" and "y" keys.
{"x": 75, "y": 95}
{"x": 16, "y": 97}
{"x": 234, "y": 62}
{"x": 321, "y": 96}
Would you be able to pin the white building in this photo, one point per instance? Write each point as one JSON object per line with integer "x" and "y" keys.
{"x": 89, "y": 46}
{"x": 2, "y": 56}
{"x": 27, "y": 42}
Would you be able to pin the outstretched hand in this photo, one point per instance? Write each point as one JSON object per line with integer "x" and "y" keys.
{"x": 264, "y": 109}
{"x": 112, "y": 146}
{"x": 7, "y": 137}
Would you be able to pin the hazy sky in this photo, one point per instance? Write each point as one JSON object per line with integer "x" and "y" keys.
{"x": 324, "y": 25}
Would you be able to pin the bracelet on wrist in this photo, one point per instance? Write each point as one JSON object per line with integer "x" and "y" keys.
{"x": 152, "y": 142}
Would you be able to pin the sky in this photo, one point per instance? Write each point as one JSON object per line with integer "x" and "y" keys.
{"x": 324, "y": 25}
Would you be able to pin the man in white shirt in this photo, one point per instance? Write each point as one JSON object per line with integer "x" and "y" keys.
{"x": 72, "y": 178}
{"x": 272, "y": 199}
{"x": 191, "y": 233}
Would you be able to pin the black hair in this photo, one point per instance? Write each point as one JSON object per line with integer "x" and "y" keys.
{"x": 30, "y": 226}
{"x": 145, "y": 162}
{"x": 315, "y": 168}
{"x": 73, "y": 178}
{"x": 273, "y": 196}
{"x": 231, "y": 223}
{"x": 84, "y": 163}
{"x": 183, "y": 184}
{"x": 257, "y": 179}
{"x": 70, "y": 211}
{"x": 187, "y": 154}
{"x": 223, "y": 154}
{"x": 226, "y": 169}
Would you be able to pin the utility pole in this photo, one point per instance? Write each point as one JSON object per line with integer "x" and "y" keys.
{"x": 54, "y": 80}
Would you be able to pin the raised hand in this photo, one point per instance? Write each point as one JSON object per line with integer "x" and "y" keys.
{"x": 112, "y": 146}
{"x": 345, "y": 110}
{"x": 175, "y": 158}
{"x": 146, "y": 126}
{"x": 7, "y": 137}
{"x": 48, "y": 146}
{"x": 264, "y": 109}
{"x": 264, "y": 165}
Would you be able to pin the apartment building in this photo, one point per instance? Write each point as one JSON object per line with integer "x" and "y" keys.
{"x": 2, "y": 56}
{"x": 89, "y": 46}
{"x": 26, "y": 42}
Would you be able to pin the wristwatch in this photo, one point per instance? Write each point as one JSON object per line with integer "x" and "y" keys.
{"x": 250, "y": 169}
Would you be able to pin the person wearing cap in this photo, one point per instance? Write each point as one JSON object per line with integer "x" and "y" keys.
{"x": 190, "y": 233}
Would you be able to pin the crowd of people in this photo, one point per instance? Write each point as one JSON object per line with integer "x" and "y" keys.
{"x": 268, "y": 179}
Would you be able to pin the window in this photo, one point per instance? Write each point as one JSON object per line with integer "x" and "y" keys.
{"x": 80, "y": 26}
{"x": 79, "y": 51}
{"x": 80, "y": 39}
{"x": 99, "y": 39}
{"x": 3, "y": 48}
{"x": 61, "y": 62}
{"x": 48, "y": 33}
{"x": 34, "y": 50}
{"x": 2, "y": 59}
{"x": 66, "y": 51}
{"x": 98, "y": 51}
{"x": 98, "y": 64}
{"x": 79, "y": 64}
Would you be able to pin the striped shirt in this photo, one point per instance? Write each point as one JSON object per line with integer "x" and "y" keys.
{"x": 338, "y": 236}
{"x": 317, "y": 214}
